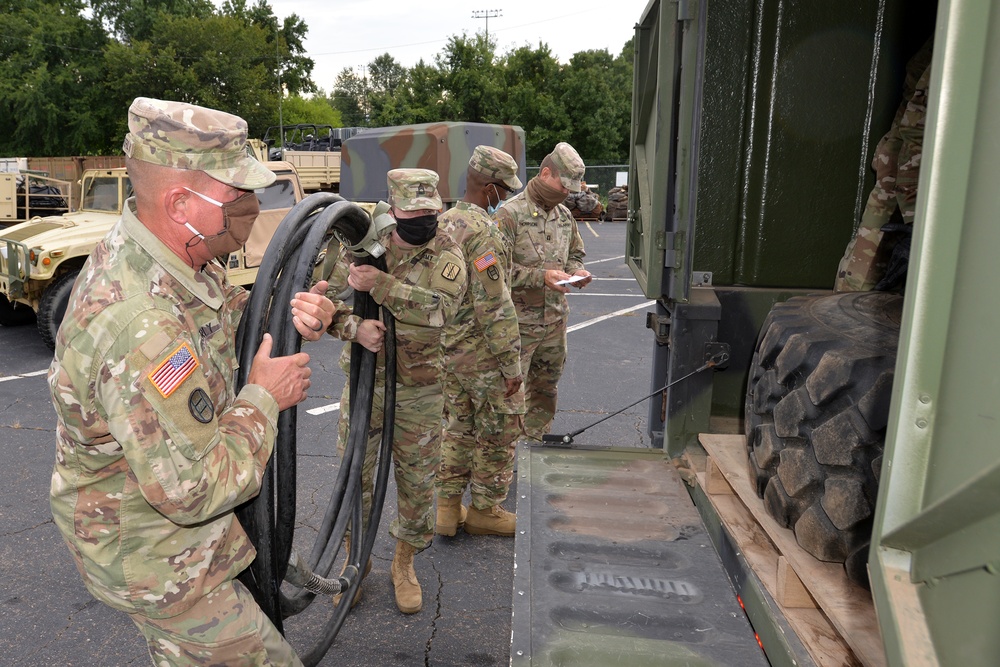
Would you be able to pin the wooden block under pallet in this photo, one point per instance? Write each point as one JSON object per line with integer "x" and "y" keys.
{"x": 715, "y": 481}
{"x": 791, "y": 591}
{"x": 848, "y": 606}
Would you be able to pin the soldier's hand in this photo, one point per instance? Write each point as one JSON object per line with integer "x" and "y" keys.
{"x": 362, "y": 277}
{"x": 312, "y": 311}
{"x": 285, "y": 378}
{"x": 371, "y": 333}
{"x": 513, "y": 385}
{"x": 552, "y": 276}
{"x": 586, "y": 281}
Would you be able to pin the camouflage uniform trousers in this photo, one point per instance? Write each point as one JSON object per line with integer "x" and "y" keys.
{"x": 225, "y": 627}
{"x": 478, "y": 443}
{"x": 543, "y": 356}
{"x": 416, "y": 453}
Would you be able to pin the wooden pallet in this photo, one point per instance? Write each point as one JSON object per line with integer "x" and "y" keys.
{"x": 834, "y": 618}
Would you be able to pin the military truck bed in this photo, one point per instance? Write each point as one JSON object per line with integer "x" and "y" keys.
{"x": 833, "y": 618}
{"x": 613, "y": 565}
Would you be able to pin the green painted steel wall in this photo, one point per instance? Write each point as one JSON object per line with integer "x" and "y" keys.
{"x": 794, "y": 98}
{"x": 935, "y": 560}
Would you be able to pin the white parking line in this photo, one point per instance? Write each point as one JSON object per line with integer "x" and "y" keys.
{"x": 576, "y": 295}
{"x": 581, "y": 325}
{"x": 324, "y": 409}
{"x": 25, "y": 375}
{"x": 609, "y": 259}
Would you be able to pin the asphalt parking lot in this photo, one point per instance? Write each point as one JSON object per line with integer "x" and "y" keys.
{"x": 48, "y": 618}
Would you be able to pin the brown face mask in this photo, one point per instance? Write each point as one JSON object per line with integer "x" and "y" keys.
{"x": 545, "y": 194}
{"x": 239, "y": 216}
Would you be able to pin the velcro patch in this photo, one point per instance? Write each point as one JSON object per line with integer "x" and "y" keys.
{"x": 173, "y": 370}
{"x": 451, "y": 271}
{"x": 485, "y": 261}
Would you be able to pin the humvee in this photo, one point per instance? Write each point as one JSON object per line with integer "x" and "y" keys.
{"x": 41, "y": 258}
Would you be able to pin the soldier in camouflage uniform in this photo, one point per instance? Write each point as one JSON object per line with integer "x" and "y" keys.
{"x": 425, "y": 282}
{"x": 155, "y": 449}
{"x": 897, "y": 170}
{"x": 482, "y": 382}
{"x": 547, "y": 249}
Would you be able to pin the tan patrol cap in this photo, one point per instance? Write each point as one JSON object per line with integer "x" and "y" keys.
{"x": 414, "y": 189}
{"x": 494, "y": 163}
{"x": 187, "y": 136}
{"x": 569, "y": 164}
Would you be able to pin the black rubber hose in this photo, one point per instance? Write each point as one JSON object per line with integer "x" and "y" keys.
{"x": 269, "y": 519}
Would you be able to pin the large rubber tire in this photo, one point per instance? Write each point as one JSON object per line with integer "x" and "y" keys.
{"x": 816, "y": 413}
{"x": 14, "y": 314}
{"x": 52, "y": 307}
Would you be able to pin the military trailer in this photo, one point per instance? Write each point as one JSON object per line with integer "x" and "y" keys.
{"x": 41, "y": 258}
{"x": 839, "y": 447}
{"x": 441, "y": 147}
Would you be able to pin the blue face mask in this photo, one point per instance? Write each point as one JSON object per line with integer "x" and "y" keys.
{"x": 490, "y": 208}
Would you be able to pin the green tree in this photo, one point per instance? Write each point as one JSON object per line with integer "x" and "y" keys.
{"x": 286, "y": 43}
{"x": 470, "y": 80}
{"x": 591, "y": 98}
{"x": 131, "y": 20}
{"x": 350, "y": 98}
{"x": 296, "y": 109}
{"x": 50, "y": 79}
{"x": 531, "y": 98}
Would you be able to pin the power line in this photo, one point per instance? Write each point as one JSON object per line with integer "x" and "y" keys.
{"x": 486, "y": 14}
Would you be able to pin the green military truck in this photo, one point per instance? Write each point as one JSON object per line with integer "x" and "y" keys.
{"x": 844, "y": 441}
{"x": 441, "y": 147}
{"x": 41, "y": 258}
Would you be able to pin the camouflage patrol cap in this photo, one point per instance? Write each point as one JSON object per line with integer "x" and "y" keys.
{"x": 186, "y": 136}
{"x": 414, "y": 189}
{"x": 494, "y": 163}
{"x": 569, "y": 165}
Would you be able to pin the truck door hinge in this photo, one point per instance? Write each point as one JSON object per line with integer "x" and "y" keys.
{"x": 685, "y": 10}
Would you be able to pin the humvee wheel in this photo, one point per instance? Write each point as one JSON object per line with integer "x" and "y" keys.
{"x": 52, "y": 307}
{"x": 11, "y": 315}
{"x": 816, "y": 410}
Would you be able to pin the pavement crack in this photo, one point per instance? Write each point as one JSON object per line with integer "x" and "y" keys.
{"x": 28, "y": 529}
{"x": 437, "y": 615}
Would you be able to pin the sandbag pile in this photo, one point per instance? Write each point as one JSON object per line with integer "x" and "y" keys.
{"x": 617, "y": 203}
{"x": 584, "y": 205}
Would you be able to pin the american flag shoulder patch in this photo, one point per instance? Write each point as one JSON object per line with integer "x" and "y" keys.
{"x": 174, "y": 370}
{"x": 485, "y": 261}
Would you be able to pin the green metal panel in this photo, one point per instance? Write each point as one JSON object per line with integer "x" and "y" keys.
{"x": 656, "y": 233}
{"x": 760, "y": 138}
{"x": 935, "y": 559}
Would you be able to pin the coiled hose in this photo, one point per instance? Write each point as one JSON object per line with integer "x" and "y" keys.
{"x": 269, "y": 519}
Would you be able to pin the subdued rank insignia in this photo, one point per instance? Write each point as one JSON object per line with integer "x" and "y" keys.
{"x": 173, "y": 370}
{"x": 450, "y": 271}
{"x": 201, "y": 406}
{"x": 493, "y": 272}
{"x": 209, "y": 329}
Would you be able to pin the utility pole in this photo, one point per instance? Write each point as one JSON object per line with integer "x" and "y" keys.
{"x": 486, "y": 14}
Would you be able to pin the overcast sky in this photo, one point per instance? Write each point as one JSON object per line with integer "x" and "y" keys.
{"x": 352, "y": 33}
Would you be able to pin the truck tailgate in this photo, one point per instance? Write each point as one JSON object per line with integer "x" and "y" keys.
{"x": 614, "y": 566}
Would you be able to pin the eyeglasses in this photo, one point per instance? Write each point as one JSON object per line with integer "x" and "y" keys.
{"x": 502, "y": 186}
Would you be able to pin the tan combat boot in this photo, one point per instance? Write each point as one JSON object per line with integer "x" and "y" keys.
{"x": 451, "y": 515}
{"x": 409, "y": 597}
{"x": 368, "y": 568}
{"x": 493, "y": 521}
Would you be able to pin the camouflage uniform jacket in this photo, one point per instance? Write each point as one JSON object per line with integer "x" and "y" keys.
{"x": 483, "y": 335}
{"x": 539, "y": 242}
{"x": 422, "y": 290}
{"x": 154, "y": 449}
